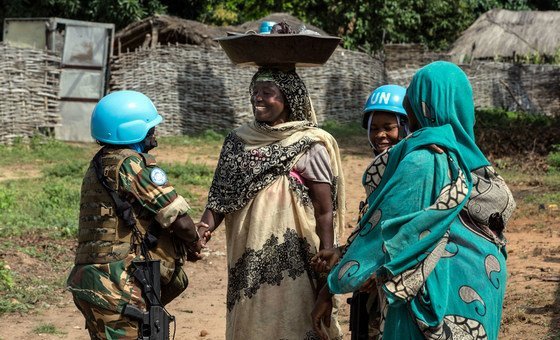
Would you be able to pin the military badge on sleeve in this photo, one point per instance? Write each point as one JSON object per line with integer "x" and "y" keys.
{"x": 158, "y": 176}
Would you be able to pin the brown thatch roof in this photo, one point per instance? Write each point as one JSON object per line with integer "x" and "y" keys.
{"x": 164, "y": 29}
{"x": 504, "y": 33}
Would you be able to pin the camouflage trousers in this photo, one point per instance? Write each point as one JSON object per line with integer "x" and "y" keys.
{"x": 103, "y": 323}
{"x": 106, "y": 324}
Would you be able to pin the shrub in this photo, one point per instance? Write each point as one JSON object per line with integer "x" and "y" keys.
{"x": 6, "y": 279}
{"x": 6, "y": 198}
{"x": 500, "y": 133}
{"x": 343, "y": 130}
{"x": 553, "y": 158}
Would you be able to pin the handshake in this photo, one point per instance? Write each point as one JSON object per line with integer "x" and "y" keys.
{"x": 203, "y": 235}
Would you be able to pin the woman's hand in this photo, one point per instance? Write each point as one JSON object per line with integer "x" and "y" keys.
{"x": 194, "y": 251}
{"x": 204, "y": 232}
{"x": 370, "y": 286}
{"x": 436, "y": 148}
{"x": 209, "y": 221}
{"x": 321, "y": 313}
{"x": 325, "y": 259}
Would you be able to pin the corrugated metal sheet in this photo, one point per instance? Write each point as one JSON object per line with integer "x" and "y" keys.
{"x": 26, "y": 34}
{"x": 85, "y": 46}
{"x": 81, "y": 84}
{"x": 75, "y": 121}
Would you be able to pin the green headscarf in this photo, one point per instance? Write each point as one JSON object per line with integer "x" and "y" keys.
{"x": 440, "y": 94}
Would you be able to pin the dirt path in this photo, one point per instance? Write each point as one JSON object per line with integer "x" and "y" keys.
{"x": 532, "y": 308}
{"x": 25, "y": 171}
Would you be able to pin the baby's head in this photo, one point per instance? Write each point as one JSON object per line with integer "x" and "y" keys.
{"x": 384, "y": 117}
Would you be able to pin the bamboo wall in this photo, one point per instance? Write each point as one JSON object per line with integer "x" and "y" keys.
{"x": 197, "y": 88}
{"x": 514, "y": 87}
{"x": 28, "y": 92}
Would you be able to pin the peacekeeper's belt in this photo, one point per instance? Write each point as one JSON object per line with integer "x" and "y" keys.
{"x": 93, "y": 252}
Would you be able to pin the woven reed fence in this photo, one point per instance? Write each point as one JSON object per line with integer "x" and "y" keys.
{"x": 197, "y": 88}
{"x": 29, "y": 100}
{"x": 399, "y": 56}
{"x": 514, "y": 87}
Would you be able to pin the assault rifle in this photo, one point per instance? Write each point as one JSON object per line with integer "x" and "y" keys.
{"x": 359, "y": 316}
{"x": 154, "y": 324}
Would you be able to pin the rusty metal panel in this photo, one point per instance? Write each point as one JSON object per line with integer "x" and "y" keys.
{"x": 85, "y": 46}
{"x": 75, "y": 121}
{"x": 26, "y": 33}
{"x": 81, "y": 84}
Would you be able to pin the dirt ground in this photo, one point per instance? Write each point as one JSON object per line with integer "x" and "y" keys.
{"x": 532, "y": 304}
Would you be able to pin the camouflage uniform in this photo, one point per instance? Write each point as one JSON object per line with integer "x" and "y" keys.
{"x": 101, "y": 281}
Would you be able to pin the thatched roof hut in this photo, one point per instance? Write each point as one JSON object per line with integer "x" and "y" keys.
{"x": 165, "y": 29}
{"x": 503, "y": 33}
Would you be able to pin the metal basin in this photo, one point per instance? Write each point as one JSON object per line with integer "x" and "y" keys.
{"x": 300, "y": 50}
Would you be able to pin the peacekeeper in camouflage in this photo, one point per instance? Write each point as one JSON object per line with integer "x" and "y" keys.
{"x": 158, "y": 227}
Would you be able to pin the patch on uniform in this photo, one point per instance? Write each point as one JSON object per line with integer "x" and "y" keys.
{"x": 158, "y": 176}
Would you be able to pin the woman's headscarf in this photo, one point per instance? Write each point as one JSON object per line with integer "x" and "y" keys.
{"x": 439, "y": 94}
{"x": 293, "y": 88}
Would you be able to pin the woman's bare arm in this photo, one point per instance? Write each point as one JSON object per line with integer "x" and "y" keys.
{"x": 321, "y": 197}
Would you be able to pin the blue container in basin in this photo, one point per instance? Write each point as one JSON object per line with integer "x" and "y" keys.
{"x": 266, "y": 27}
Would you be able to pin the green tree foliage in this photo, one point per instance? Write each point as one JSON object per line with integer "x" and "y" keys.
{"x": 187, "y": 9}
{"x": 363, "y": 24}
{"x": 367, "y": 24}
{"x": 119, "y": 12}
{"x": 229, "y": 12}
{"x": 371, "y": 23}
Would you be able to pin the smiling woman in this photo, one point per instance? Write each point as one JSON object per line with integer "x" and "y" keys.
{"x": 385, "y": 118}
{"x": 279, "y": 187}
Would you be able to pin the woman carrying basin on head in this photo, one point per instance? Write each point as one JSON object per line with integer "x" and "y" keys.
{"x": 279, "y": 187}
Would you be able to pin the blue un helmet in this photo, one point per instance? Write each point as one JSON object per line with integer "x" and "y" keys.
{"x": 385, "y": 98}
{"x": 123, "y": 117}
